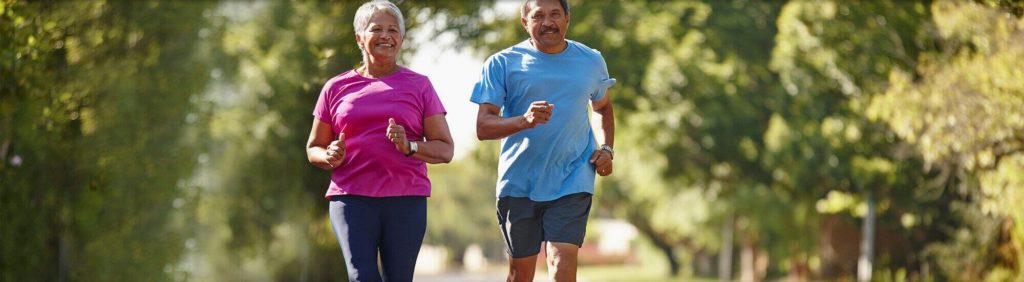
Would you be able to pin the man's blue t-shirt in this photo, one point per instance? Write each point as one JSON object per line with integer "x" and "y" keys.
{"x": 550, "y": 160}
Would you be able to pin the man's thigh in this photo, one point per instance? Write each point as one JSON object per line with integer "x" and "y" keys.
{"x": 565, "y": 220}
{"x": 520, "y": 223}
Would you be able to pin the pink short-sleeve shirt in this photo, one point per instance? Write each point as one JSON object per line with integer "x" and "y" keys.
{"x": 361, "y": 107}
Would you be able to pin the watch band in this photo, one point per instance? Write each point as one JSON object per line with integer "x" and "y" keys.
{"x": 413, "y": 148}
{"x": 609, "y": 149}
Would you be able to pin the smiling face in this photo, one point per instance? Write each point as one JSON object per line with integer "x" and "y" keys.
{"x": 382, "y": 38}
{"x": 546, "y": 23}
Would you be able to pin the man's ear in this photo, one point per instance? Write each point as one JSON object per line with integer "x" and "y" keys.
{"x": 523, "y": 22}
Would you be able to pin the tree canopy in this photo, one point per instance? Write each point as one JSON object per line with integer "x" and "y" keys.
{"x": 163, "y": 140}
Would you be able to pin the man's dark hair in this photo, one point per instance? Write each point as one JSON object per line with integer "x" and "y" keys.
{"x": 564, "y": 3}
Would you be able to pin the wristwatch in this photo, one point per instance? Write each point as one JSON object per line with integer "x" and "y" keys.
{"x": 609, "y": 149}
{"x": 413, "y": 148}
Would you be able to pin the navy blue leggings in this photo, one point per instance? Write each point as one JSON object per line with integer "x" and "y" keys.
{"x": 392, "y": 226}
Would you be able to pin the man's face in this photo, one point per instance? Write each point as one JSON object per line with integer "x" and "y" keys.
{"x": 546, "y": 22}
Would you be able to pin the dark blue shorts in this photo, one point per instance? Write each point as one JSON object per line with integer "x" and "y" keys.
{"x": 526, "y": 223}
{"x": 390, "y": 226}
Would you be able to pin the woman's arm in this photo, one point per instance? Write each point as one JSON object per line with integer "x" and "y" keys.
{"x": 322, "y": 150}
{"x": 438, "y": 147}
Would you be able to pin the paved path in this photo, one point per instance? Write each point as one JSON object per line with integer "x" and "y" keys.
{"x": 460, "y": 277}
{"x": 471, "y": 277}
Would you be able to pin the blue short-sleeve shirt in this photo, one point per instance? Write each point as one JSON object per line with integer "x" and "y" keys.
{"x": 551, "y": 160}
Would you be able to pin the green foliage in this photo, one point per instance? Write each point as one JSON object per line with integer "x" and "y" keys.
{"x": 977, "y": 244}
{"x": 163, "y": 140}
{"x": 84, "y": 86}
{"x": 462, "y": 204}
{"x": 766, "y": 108}
{"x": 960, "y": 106}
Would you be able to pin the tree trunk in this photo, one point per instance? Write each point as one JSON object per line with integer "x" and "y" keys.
{"x": 673, "y": 264}
{"x": 867, "y": 243}
{"x": 753, "y": 260}
{"x": 747, "y": 254}
{"x": 666, "y": 249}
{"x": 63, "y": 265}
{"x": 1017, "y": 237}
{"x": 799, "y": 270}
{"x": 704, "y": 263}
{"x": 644, "y": 227}
{"x": 725, "y": 253}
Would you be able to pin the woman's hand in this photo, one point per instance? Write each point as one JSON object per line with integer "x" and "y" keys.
{"x": 336, "y": 151}
{"x": 396, "y": 133}
{"x": 322, "y": 150}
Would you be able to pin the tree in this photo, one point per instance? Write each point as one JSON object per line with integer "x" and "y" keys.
{"x": 830, "y": 59}
{"x": 173, "y": 141}
{"x": 960, "y": 107}
{"x": 91, "y": 184}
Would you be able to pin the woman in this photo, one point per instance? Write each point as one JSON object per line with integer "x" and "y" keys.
{"x": 375, "y": 128}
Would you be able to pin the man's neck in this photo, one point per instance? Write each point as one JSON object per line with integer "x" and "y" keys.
{"x": 552, "y": 50}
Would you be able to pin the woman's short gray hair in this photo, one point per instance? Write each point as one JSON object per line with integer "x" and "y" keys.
{"x": 366, "y": 11}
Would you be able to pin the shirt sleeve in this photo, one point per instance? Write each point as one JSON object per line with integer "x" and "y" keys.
{"x": 604, "y": 80}
{"x": 431, "y": 102}
{"x": 322, "y": 111}
{"x": 491, "y": 87}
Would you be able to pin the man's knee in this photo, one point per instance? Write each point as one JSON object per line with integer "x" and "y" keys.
{"x": 522, "y": 269}
{"x": 562, "y": 255}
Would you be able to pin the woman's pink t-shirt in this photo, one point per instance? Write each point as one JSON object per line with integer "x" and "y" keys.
{"x": 361, "y": 107}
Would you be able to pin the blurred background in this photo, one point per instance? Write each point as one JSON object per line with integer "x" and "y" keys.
{"x": 756, "y": 140}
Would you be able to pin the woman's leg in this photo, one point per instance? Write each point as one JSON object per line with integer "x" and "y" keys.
{"x": 356, "y": 222}
{"x": 404, "y": 222}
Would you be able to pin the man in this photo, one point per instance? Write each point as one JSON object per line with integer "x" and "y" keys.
{"x": 533, "y": 96}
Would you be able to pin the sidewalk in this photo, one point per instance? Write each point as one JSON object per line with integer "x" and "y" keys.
{"x": 473, "y": 277}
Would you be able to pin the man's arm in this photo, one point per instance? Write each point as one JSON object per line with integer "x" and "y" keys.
{"x": 604, "y": 117}
{"x": 490, "y": 125}
{"x": 603, "y": 122}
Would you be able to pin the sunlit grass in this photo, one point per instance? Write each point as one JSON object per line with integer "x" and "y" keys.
{"x": 649, "y": 265}
{"x": 632, "y": 273}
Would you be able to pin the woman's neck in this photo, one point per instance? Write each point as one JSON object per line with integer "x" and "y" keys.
{"x": 378, "y": 69}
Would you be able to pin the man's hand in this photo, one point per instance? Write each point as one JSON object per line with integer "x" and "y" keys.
{"x": 396, "y": 133}
{"x": 539, "y": 113}
{"x": 336, "y": 151}
{"x": 602, "y": 162}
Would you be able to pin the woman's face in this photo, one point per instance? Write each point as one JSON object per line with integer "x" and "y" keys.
{"x": 382, "y": 38}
